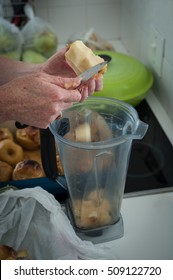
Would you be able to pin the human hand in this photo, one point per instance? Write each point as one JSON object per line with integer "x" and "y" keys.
{"x": 38, "y": 99}
{"x": 57, "y": 65}
{"x": 36, "y": 94}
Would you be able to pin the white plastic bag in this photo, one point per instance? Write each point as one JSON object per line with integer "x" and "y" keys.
{"x": 92, "y": 40}
{"x": 32, "y": 220}
{"x": 10, "y": 39}
{"x": 39, "y": 36}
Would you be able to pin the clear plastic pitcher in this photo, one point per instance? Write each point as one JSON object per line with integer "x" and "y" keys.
{"x": 94, "y": 141}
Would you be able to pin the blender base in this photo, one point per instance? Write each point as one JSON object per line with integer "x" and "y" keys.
{"x": 108, "y": 233}
{"x": 97, "y": 235}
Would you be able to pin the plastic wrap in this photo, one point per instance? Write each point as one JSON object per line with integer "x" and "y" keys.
{"x": 40, "y": 40}
{"x": 92, "y": 40}
{"x": 10, "y": 40}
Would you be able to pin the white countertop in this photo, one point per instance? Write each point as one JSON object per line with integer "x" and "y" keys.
{"x": 148, "y": 228}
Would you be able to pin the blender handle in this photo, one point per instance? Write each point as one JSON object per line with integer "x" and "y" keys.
{"x": 48, "y": 153}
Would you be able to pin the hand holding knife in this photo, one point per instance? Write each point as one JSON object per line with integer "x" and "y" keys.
{"x": 85, "y": 76}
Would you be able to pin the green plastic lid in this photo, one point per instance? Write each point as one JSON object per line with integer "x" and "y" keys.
{"x": 126, "y": 79}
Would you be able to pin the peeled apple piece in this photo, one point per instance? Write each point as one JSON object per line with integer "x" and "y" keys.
{"x": 83, "y": 133}
{"x": 8, "y": 253}
{"x": 80, "y": 57}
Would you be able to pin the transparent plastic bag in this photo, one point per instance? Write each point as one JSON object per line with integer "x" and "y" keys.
{"x": 92, "y": 40}
{"x": 39, "y": 36}
{"x": 32, "y": 220}
{"x": 10, "y": 40}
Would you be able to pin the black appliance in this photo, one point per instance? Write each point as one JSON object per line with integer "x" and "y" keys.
{"x": 151, "y": 160}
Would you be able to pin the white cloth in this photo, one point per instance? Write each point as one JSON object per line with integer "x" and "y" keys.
{"x": 32, "y": 219}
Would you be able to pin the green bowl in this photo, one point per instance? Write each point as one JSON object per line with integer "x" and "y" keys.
{"x": 126, "y": 78}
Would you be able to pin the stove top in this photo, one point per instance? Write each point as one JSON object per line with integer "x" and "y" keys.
{"x": 151, "y": 160}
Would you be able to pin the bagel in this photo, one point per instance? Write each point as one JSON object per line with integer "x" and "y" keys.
{"x": 8, "y": 253}
{"x": 80, "y": 58}
{"x": 28, "y": 137}
{"x": 27, "y": 169}
{"x": 6, "y": 171}
{"x": 59, "y": 165}
{"x": 34, "y": 155}
{"x": 10, "y": 152}
{"x": 5, "y": 133}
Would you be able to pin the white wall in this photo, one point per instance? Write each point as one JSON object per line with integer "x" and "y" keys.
{"x": 136, "y": 20}
{"x": 129, "y": 20}
{"x": 73, "y": 16}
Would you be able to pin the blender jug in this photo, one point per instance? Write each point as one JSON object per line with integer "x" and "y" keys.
{"x": 94, "y": 141}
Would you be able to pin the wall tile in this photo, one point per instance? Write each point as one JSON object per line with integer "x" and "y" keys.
{"x": 60, "y": 3}
{"x": 67, "y": 21}
{"x": 136, "y": 20}
{"x": 40, "y": 3}
{"x": 102, "y": 2}
{"x": 170, "y": 106}
{"x": 42, "y": 13}
{"x": 69, "y": 17}
{"x": 105, "y": 19}
{"x": 165, "y": 84}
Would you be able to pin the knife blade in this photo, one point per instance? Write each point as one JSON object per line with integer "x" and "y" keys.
{"x": 86, "y": 75}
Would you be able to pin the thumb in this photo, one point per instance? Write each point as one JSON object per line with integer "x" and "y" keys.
{"x": 66, "y": 83}
{"x": 51, "y": 64}
{"x": 58, "y": 56}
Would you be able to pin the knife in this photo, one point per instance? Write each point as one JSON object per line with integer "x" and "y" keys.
{"x": 89, "y": 73}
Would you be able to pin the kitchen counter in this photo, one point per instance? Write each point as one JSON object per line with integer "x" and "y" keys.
{"x": 148, "y": 228}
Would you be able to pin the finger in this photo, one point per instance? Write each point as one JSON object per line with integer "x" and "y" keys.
{"x": 91, "y": 86}
{"x": 56, "y": 58}
{"x": 66, "y": 83}
{"x": 54, "y": 61}
{"x": 64, "y": 106}
{"x": 84, "y": 93}
{"x": 68, "y": 95}
{"x": 45, "y": 120}
{"x": 99, "y": 83}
